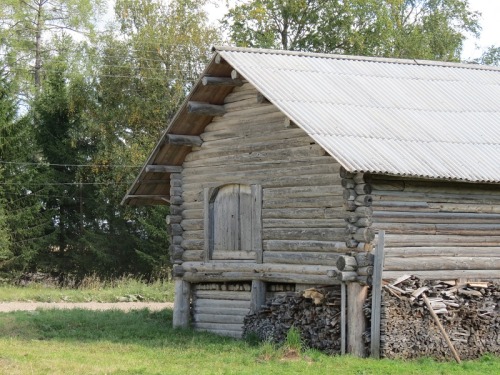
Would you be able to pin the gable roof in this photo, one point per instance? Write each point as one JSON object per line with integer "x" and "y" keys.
{"x": 387, "y": 116}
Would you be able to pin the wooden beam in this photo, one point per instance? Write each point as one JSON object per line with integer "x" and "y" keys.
{"x": 205, "y": 109}
{"x": 181, "y": 304}
{"x": 183, "y": 140}
{"x": 236, "y": 75}
{"x": 221, "y": 81}
{"x": 165, "y": 198}
{"x": 356, "y": 323}
{"x": 377, "y": 296}
{"x": 163, "y": 168}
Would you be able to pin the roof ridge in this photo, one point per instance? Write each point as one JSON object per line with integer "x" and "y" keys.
{"x": 387, "y": 60}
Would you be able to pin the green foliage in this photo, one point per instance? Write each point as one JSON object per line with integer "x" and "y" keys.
{"x": 490, "y": 57}
{"x": 430, "y": 29}
{"x": 293, "y": 340}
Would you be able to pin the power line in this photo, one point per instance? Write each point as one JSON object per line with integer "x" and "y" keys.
{"x": 70, "y": 165}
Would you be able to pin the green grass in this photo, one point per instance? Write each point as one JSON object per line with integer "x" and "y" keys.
{"x": 126, "y": 289}
{"x": 143, "y": 342}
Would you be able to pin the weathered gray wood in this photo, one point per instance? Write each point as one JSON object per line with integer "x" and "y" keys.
{"x": 258, "y": 297}
{"x": 261, "y": 99}
{"x": 165, "y": 198}
{"x": 181, "y": 304}
{"x": 221, "y": 81}
{"x": 203, "y": 267}
{"x": 305, "y": 258}
{"x": 234, "y": 255}
{"x": 239, "y": 307}
{"x": 183, "y": 140}
{"x": 217, "y": 327}
{"x": 205, "y": 109}
{"x": 223, "y": 295}
{"x": 356, "y": 323}
{"x": 343, "y": 320}
{"x": 364, "y": 200}
{"x": 346, "y": 263}
{"x": 486, "y": 274}
{"x": 222, "y": 319}
{"x": 327, "y": 234}
{"x": 208, "y": 225}
{"x": 363, "y": 189}
{"x": 163, "y": 169}
{"x": 303, "y": 223}
{"x": 301, "y": 245}
{"x": 256, "y": 221}
{"x": 443, "y": 263}
{"x": 400, "y": 240}
{"x": 378, "y": 268}
{"x": 364, "y": 235}
{"x": 344, "y": 173}
{"x": 301, "y": 278}
{"x": 442, "y": 251}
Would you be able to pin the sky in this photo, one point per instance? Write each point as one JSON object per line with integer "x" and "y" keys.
{"x": 490, "y": 22}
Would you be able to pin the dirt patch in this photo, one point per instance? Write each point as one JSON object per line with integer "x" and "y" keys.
{"x": 122, "y": 306}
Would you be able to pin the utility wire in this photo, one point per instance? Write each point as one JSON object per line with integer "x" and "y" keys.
{"x": 70, "y": 165}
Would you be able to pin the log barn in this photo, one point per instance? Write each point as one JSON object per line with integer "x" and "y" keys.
{"x": 281, "y": 168}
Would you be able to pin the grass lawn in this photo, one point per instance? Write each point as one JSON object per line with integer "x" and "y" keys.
{"x": 143, "y": 342}
{"x": 121, "y": 290}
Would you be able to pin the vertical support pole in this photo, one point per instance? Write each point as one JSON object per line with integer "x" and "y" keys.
{"x": 378, "y": 268}
{"x": 258, "y": 295}
{"x": 343, "y": 300}
{"x": 181, "y": 303}
{"x": 356, "y": 322}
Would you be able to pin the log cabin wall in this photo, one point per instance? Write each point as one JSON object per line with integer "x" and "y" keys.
{"x": 303, "y": 226}
{"x": 302, "y": 214}
{"x": 438, "y": 229}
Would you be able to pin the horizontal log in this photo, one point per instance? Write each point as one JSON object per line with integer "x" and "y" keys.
{"x": 364, "y": 235}
{"x": 364, "y": 200}
{"x": 221, "y": 81}
{"x": 212, "y": 304}
{"x": 193, "y": 255}
{"x": 442, "y": 263}
{"x": 303, "y": 191}
{"x": 222, "y": 319}
{"x": 217, "y": 327}
{"x": 163, "y": 169}
{"x": 349, "y": 194}
{"x": 348, "y": 183}
{"x": 303, "y": 213}
{"x": 255, "y": 268}
{"x": 220, "y": 310}
{"x": 326, "y": 234}
{"x": 401, "y": 240}
{"x": 447, "y": 274}
{"x": 222, "y": 295}
{"x": 233, "y": 255}
{"x": 435, "y": 217}
{"x": 363, "y": 189}
{"x": 441, "y": 251}
{"x": 364, "y": 259}
{"x": 223, "y": 332}
{"x": 359, "y": 178}
{"x": 183, "y": 140}
{"x": 346, "y": 276}
{"x": 300, "y": 278}
{"x": 365, "y": 271}
{"x": 307, "y": 202}
{"x": 303, "y": 223}
{"x": 440, "y": 229}
{"x": 205, "y": 109}
{"x": 364, "y": 222}
{"x": 346, "y": 263}
{"x": 301, "y": 245}
{"x": 303, "y": 258}
{"x": 173, "y": 219}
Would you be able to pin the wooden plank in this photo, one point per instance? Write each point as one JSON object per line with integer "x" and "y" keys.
{"x": 234, "y": 255}
{"x": 301, "y": 278}
{"x": 256, "y": 267}
{"x": 305, "y": 258}
{"x": 343, "y": 320}
{"x": 223, "y": 295}
{"x": 256, "y": 221}
{"x": 208, "y": 305}
{"x": 356, "y": 323}
{"x": 327, "y": 234}
{"x": 217, "y": 327}
{"x": 208, "y": 227}
{"x": 163, "y": 169}
{"x": 181, "y": 304}
{"x": 222, "y": 319}
{"x": 378, "y": 268}
{"x": 258, "y": 297}
{"x": 221, "y": 81}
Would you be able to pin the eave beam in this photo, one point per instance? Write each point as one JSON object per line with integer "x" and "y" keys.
{"x": 163, "y": 168}
{"x": 221, "y": 81}
{"x": 205, "y": 109}
{"x": 183, "y": 140}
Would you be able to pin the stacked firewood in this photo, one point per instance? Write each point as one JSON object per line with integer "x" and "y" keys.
{"x": 468, "y": 312}
{"x": 315, "y": 312}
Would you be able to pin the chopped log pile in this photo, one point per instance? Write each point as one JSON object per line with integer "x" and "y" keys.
{"x": 315, "y": 312}
{"x": 468, "y": 312}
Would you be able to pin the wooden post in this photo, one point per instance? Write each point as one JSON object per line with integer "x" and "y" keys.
{"x": 378, "y": 268}
{"x": 356, "y": 323}
{"x": 258, "y": 296}
{"x": 342, "y": 318}
{"x": 181, "y": 303}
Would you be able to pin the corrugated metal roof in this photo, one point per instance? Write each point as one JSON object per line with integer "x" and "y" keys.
{"x": 398, "y": 117}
